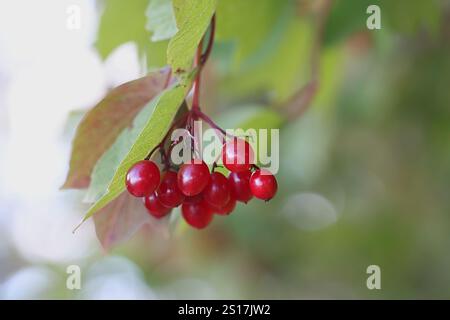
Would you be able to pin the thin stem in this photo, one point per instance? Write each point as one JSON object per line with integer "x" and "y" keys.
{"x": 212, "y": 32}
{"x": 163, "y": 141}
{"x": 211, "y": 123}
{"x": 200, "y": 60}
{"x": 197, "y": 63}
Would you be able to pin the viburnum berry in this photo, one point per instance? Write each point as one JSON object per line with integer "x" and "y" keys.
{"x": 197, "y": 212}
{"x": 217, "y": 192}
{"x": 194, "y": 199}
{"x": 237, "y": 155}
{"x": 142, "y": 178}
{"x": 228, "y": 208}
{"x": 155, "y": 207}
{"x": 193, "y": 178}
{"x": 168, "y": 192}
{"x": 263, "y": 184}
{"x": 240, "y": 185}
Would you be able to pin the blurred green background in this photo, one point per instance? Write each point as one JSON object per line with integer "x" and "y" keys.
{"x": 364, "y": 172}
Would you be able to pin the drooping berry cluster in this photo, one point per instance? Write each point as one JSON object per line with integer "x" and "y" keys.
{"x": 201, "y": 192}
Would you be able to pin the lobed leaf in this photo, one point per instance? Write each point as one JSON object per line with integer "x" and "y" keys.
{"x": 103, "y": 123}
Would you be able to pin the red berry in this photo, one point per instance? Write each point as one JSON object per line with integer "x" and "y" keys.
{"x": 168, "y": 192}
{"x": 142, "y": 178}
{"x": 217, "y": 192}
{"x": 240, "y": 185}
{"x": 237, "y": 155}
{"x": 194, "y": 199}
{"x": 193, "y": 178}
{"x": 197, "y": 213}
{"x": 263, "y": 184}
{"x": 155, "y": 207}
{"x": 228, "y": 208}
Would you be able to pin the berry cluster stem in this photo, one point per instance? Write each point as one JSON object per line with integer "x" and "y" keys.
{"x": 188, "y": 119}
{"x": 198, "y": 64}
{"x": 200, "y": 60}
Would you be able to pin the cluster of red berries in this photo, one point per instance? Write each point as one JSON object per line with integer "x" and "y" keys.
{"x": 201, "y": 193}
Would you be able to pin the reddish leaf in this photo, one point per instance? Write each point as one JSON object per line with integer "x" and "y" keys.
{"x": 103, "y": 123}
{"x": 120, "y": 220}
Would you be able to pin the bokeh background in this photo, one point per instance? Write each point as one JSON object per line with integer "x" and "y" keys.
{"x": 365, "y": 171}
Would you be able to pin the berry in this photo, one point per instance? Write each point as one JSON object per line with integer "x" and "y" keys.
{"x": 194, "y": 199}
{"x": 142, "y": 178}
{"x": 217, "y": 192}
{"x": 228, "y": 208}
{"x": 155, "y": 207}
{"x": 193, "y": 178}
{"x": 197, "y": 213}
{"x": 263, "y": 184}
{"x": 168, "y": 192}
{"x": 237, "y": 155}
{"x": 240, "y": 185}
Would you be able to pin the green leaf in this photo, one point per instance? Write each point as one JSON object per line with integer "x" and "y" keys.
{"x": 165, "y": 109}
{"x": 193, "y": 18}
{"x": 161, "y": 20}
{"x": 107, "y": 165}
{"x": 103, "y": 123}
{"x": 121, "y": 22}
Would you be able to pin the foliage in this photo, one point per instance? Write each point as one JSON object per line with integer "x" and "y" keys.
{"x": 105, "y": 121}
{"x": 264, "y": 53}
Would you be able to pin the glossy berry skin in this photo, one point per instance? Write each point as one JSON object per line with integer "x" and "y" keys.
{"x": 194, "y": 199}
{"x": 228, "y": 208}
{"x": 168, "y": 192}
{"x": 155, "y": 207}
{"x": 142, "y": 178}
{"x": 237, "y": 155}
{"x": 240, "y": 185}
{"x": 197, "y": 213}
{"x": 217, "y": 192}
{"x": 263, "y": 184}
{"x": 193, "y": 178}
